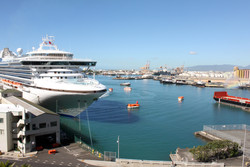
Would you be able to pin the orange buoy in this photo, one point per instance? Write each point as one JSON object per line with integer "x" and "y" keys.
{"x": 180, "y": 98}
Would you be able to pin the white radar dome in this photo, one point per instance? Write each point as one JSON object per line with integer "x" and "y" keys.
{"x": 19, "y": 51}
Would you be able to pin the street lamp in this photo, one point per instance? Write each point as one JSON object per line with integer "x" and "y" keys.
{"x": 118, "y": 142}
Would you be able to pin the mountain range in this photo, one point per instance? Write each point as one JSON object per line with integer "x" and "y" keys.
{"x": 224, "y": 67}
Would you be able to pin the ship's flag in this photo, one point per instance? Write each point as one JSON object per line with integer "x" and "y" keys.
{"x": 50, "y": 43}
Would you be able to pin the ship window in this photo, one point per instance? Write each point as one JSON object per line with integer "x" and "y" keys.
{"x": 58, "y": 72}
{"x": 60, "y": 63}
{"x": 57, "y": 77}
{"x": 1, "y": 120}
{"x": 83, "y": 63}
{"x": 65, "y": 77}
{"x": 50, "y": 77}
{"x": 74, "y": 77}
{"x": 55, "y": 72}
{"x": 64, "y": 72}
{"x": 61, "y": 77}
{"x": 34, "y": 62}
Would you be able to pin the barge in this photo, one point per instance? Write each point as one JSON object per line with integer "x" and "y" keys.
{"x": 223, "y": 97}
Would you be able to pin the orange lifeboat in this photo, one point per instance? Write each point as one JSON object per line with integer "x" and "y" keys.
{"x": 133, "y": 105}
{"x": 180, "y": 98}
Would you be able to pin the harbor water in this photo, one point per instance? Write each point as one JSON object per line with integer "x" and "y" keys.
{"x": 159, "y": 126}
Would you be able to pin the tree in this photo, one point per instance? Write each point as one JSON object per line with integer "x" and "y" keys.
{"x": 6, "y": 164}
{"x": 217, "y": 149}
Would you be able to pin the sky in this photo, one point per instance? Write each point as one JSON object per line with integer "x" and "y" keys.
{"x": 126, "y": 34}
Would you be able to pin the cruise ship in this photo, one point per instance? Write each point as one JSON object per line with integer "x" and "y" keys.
{"x": 50, "y": 77}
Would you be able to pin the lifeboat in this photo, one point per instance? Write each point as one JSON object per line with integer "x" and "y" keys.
{"x": 133, "y": 105}
{"x": 180, "y": 98}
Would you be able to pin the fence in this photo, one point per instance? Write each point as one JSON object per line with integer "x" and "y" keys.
{"x": 217, "y": 131}
{"x": 109, "y": 156}
{"x": 229, "y": 127}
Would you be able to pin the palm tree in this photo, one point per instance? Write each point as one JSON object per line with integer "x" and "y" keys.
{"x": 6, "y": 164}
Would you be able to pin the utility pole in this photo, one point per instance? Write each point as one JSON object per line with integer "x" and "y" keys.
{"x": 244, "y": 145}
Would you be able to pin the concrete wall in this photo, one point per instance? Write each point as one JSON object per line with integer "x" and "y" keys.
{"x": 6, "y": 142}
{"x": 44, "y": 118}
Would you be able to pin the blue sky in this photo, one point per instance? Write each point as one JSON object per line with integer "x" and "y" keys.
{"x": 125, "y": 34}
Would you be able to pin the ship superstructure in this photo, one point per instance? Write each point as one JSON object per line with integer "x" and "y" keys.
{"x": 50, "y": 77}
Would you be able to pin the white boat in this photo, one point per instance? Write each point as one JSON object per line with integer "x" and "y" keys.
{"x": 147, "y": 76}
{"x": 50, "y": 77}
{"x": 125, "y": 84}
{"x": 199, "y": 84}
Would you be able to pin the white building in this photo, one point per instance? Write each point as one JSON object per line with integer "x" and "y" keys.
{"x": 24, "y": 125}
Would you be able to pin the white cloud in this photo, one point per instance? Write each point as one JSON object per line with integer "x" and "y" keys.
{"x": 192, "y": 53}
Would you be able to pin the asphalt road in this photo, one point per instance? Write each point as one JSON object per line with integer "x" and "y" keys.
{"x": 70, "y": 156}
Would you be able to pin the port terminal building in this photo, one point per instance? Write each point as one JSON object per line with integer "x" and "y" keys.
{"x": 242, "y": 73}
{"x": 25, "y": 126}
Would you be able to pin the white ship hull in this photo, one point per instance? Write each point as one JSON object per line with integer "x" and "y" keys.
{"x": 68, "y": 104}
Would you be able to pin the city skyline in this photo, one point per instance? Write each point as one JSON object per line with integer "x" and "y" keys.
{"x": 128, "y": 34}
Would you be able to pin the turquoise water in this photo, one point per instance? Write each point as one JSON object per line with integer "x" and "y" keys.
{"x": 160, "y": 125}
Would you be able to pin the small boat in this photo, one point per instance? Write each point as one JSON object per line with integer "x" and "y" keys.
{"x": 127, "y": 88}
{"x": 199, "y": 84}
{"x": 133, "y": 105}
{"x": 180, "y": 98}
{"x": 181, "y": 82}
{"x": 111, "y": 89}
{"x": 167, "y": 81}
{"x": 125, "y": 84}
